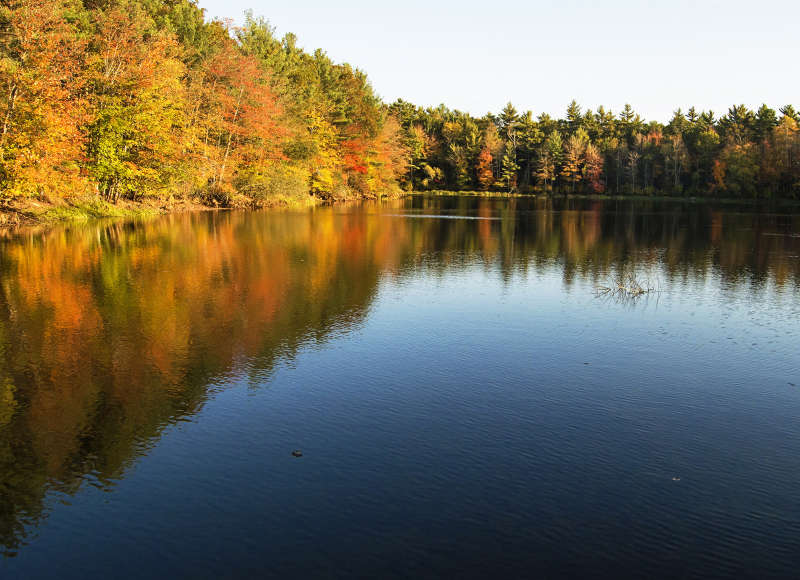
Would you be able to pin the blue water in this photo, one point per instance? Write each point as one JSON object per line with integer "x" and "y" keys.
{"x": 484, "y": 413}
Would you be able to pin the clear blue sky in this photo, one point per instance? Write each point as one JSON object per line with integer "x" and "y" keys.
{"x": 476, "y": 56}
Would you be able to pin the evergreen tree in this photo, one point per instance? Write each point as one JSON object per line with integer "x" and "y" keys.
{"x": 574, "y": 117}
{"x": 508, "y": 122}
{"x": 789, "y": 111}
{"x": 509, "y": 167}
{"x": 766, "y": 120}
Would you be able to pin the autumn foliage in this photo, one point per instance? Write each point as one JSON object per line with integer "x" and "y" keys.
{"x": 135, "y": 99}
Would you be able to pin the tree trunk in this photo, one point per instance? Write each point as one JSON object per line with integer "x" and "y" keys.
{"x": 12, "y": 98}
{"x": 230, "y": 136}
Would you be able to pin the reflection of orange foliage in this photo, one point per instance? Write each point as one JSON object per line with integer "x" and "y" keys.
{"x": 110, "y": 331}
{"x": 127, "y": 315}
{"x": 485, "y": 227}
{"x": 716, "y": 226}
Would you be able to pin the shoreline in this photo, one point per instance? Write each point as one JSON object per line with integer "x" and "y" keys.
{"x": 27, "y": 213}
{"x": 30, "y": 213}
{"x": 781, "y": 201}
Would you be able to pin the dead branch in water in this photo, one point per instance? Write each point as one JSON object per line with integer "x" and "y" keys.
{"x": 625, "y": 288}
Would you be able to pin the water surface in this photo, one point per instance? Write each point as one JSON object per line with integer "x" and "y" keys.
{"x": 466, "y": 404}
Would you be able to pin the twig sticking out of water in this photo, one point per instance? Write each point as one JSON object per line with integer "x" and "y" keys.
{"x": 628, "y": 287}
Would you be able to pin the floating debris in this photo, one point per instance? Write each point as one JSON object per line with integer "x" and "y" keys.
{"x": 297, "y": 453}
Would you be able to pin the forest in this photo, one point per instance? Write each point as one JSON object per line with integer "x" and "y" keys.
{"x": 138, "y": 99}
{"x": 743, "y": 153}
{"x": 149, "y": 100}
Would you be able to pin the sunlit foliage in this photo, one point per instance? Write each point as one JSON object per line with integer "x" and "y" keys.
{"x": 146, "y": 98}
{"x": 742, "y": 154}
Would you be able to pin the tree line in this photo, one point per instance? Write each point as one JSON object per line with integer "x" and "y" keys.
{"x": 129, "y": 99}
{"x": 138, "y": 99}
{"x": 743, "y": 153}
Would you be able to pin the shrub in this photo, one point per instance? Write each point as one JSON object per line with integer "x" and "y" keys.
{"x": 216, "y": 194}
{"x": 278, "y": 184}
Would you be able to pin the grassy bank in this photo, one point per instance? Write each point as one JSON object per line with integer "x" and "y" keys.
{"x": 25, "y": 212}
{"x": 30, "y": 212}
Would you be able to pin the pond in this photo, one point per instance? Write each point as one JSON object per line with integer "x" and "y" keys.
{"x": 472, "y": 387}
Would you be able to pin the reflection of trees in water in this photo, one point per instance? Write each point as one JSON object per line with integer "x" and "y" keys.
{"x": 589, "y": 238}
{"x": 110, "y": 332}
